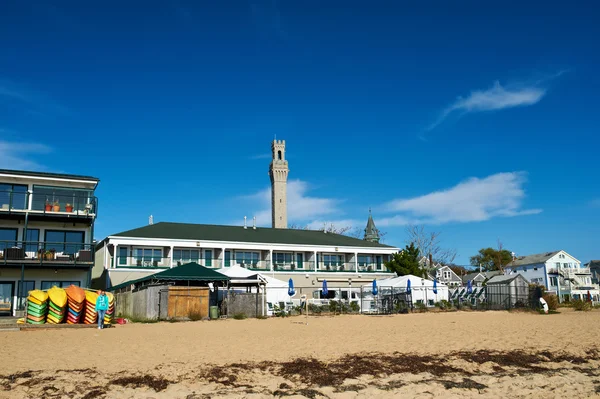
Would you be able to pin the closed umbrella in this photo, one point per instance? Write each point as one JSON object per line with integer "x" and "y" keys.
{"x": 435, "y": 286}
{"x": 325, "y": 290}
{"x": 291, "y": 291}
{"x": 408, "y": 286}
{"x": 374, "y": 290}
{"x": 469, "y": 287}
{"x": 589, "y": 296}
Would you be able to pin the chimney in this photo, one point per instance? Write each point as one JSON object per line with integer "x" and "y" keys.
{"x": 151, "y": 220}
{"x": 245, "y": 222}
{"x": 254, "y": 223}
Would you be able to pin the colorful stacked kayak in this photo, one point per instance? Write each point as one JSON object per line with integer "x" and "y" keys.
{"x": 57, "y": 305}
{"x": 108, "y": 317}
{"x": 37, "y": 306}
{"x": 91, "y": 316}
{"x": 75, "y": 303}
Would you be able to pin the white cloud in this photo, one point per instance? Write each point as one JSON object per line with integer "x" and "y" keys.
{"x": 20, "y": 155}
{"x": 495, "y": 98}
{"x": 595, "y": 203}
{"x": 301, "y": 208}
{"x": 474, "y": 200}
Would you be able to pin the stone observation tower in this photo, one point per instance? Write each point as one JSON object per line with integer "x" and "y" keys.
{"x": 278, "y": 171}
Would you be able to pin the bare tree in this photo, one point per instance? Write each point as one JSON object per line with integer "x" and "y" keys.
{"x": 355, "y": 232}
{"x": 428, "y": 244}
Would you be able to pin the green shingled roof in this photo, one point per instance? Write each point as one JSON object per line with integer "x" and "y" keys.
{"x": 188, "y": 272}
{"x": 206, "y": 232}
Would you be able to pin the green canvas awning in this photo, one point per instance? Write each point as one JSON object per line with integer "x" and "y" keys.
{"x": 188, "y": 272}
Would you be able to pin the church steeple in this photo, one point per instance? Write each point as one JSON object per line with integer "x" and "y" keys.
{"x": 371, "y": 232}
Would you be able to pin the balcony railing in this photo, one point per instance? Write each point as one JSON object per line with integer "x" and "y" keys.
{"x": 50, "y": 204}
{"x": 569, "y": 271}
{"x": 44, "y": 252}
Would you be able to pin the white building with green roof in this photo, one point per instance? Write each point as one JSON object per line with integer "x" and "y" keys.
{"x": 307, "y": 256}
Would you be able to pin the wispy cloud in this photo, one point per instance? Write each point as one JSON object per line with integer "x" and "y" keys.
{"x": 32, "y": 102}
{"x": 301, "y": 207}
{"x": 15, "y": 155}
{"x": 473, "y": 200}
{"x": 495, "y": 98}
{"x": 595, "y": 203}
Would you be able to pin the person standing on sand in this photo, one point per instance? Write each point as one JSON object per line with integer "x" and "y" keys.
{"x": 101, "y": 308}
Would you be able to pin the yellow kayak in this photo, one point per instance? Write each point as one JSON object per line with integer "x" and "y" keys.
{"x": 58, "y": 296}
{"x": 90, "y": 297}
{"x": 39, "y": 295}
{"x": 111, "y": 298}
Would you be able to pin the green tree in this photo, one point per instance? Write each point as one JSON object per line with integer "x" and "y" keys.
{"x": 492, "y": 259}
{"x": 406, "y": 262}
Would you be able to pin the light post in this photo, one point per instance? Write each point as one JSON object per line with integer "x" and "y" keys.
{"x": 425, "y": 289}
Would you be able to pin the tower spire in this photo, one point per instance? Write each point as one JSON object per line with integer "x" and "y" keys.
{"x": 371, "y": 232}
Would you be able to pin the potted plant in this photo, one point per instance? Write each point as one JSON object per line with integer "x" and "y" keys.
{"x": 56, "y": 207}
{"x": 49, "y": 254}
{"x": 69, "y": 208}
{"x": 48, "y": 206}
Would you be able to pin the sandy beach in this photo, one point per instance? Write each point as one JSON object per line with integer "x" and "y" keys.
{"x": 483, "y": 354}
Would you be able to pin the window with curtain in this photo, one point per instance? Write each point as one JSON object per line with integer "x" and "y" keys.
{"x": 333, "y": 260}
{"x": 227, "y": 258}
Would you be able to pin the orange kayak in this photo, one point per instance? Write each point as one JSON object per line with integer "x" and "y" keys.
{"x": 75, "y": 293}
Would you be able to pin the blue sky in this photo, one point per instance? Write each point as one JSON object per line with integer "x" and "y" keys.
{"x": 478, "y": 119}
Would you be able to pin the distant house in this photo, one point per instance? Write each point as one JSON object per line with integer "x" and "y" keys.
{"x": 441, "y": 273}
{"x": 594, "y": 266}
{"x": 478, "y": 279}
{"x": 561, "y": 274}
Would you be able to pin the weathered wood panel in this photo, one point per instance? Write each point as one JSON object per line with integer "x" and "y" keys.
{"x": 189, "y": 302}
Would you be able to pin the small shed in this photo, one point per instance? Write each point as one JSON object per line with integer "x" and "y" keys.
{"x": 185, "y": 291}
{"x": 507, "y": 291}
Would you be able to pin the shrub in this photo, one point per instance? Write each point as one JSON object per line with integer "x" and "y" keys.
{"x": 551, "y": 300}
{"x": 239, "y": 316}
{"x": 195, "y": 315}
{"x": 315, "y": 309}
{"x": 354, "y": 306}
{"x": 421, "y": 307}
{"x": 580, "y": 305}
{"x": 333, "y": 306}
{"x": 443, "y": 304}
{"x": 261, "y": 317}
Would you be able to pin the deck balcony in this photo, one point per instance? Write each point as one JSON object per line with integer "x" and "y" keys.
{"x": 44, "y": 253}
{"x": 48, "y": 204}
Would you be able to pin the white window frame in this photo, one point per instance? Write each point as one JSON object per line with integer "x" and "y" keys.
{"x": 135, "y": 258}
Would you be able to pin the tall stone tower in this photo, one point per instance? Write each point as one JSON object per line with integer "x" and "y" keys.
{"x": 278, "y": 171}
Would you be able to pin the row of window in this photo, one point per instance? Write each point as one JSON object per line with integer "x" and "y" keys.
{"x": 566, "y": 265}
{"x": 15, "y": 195}
{"x": 67, "y": 242}
{"x": 148, "y": 257}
